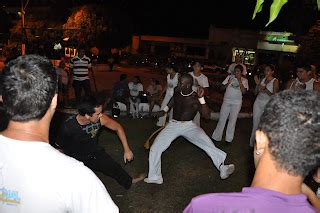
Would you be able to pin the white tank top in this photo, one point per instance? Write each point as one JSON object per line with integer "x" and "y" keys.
{"x": 269, "y": 86}
{"x": 309, "y": 84}
{"x": 172, "y": 83}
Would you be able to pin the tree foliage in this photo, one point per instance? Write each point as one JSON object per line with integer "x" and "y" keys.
{"x": 274, "y": 8}
{"x": 85, "y": 25}
{"x": 310, "y": 45}
{"x": 99, "y": 25}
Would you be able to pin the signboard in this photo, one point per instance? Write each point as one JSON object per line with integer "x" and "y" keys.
{"x": 277, "y": 41}
{"x": 70, "y": 52}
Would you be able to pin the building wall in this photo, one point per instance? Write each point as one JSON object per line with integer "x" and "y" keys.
{"x": 218, "y": 48}
{"x": 233, "y": 37}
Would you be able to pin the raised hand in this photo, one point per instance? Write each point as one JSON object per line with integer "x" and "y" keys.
{"x": 262, "y": 87}
{"x": 256, "y": 80}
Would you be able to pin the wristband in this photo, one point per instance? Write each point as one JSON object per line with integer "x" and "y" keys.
{"x": 166, "y": 109}
{"x": 201, "y": 100}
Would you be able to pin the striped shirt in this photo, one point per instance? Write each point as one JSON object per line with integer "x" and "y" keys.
{"x": 80, "y": 67}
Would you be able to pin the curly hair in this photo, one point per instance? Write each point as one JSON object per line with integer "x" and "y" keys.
{"x": 291, "y": 121}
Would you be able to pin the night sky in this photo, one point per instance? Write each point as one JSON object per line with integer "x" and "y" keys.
{"x": 193, "y": 18}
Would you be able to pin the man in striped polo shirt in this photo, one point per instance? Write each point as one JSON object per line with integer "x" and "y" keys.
{"x": 80, "y": 66}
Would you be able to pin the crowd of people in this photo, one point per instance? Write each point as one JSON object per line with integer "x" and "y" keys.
{"x": 285, "y": 137}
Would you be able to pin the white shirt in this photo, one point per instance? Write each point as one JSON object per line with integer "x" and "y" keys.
{"x": 309, "y": 84}
{"x": 233, "y": 92}
{"x": 262, "y": 95}
{"x": 36, "y": 178}
{"x": 200, "y": 80}
{"x": 172, "y": 83}
{"x": 233, "y": 65}
{"x": 135, "y": 89}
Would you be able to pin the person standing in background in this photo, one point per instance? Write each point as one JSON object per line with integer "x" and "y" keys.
{"x": 237, "y": 59}
{"x": 63, "y": 74}
{"x": 199, "y": 80}
{"x": 80, "y": 67}
{"x": 265, "y": 88}
{"x": 304, "y": 80}
{"x": 231, "y": 106}
{"x": 172, "y": 82}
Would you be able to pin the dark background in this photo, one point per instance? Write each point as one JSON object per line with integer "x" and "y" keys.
{"x": 193, "y": 18}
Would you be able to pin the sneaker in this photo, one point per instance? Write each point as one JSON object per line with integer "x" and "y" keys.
{"x": 226, "y": 171}
{"x": 147, "y": 180}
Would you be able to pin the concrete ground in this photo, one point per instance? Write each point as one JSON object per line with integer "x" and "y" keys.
{"x": 187, "y": 170}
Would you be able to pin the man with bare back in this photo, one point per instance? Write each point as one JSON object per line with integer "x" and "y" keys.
{"x": 185, "y": 103}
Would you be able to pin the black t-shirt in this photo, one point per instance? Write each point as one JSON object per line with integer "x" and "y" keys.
{"x": 120, "y": 89}
{"x": 79, "y": 141}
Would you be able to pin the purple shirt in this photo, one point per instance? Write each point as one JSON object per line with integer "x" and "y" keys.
{"x": 251, "y": 200}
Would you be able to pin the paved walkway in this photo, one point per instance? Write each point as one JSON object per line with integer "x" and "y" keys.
{"x": 103, "y": 81}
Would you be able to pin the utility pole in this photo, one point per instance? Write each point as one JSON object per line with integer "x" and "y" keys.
{"x": 23, "y": 45}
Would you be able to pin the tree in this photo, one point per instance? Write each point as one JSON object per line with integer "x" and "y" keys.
{"x": 86, "y": 24}
{"x": 99, "y": 25}
{"x": 310, "y": 45}
{"x": 276, "y": 7}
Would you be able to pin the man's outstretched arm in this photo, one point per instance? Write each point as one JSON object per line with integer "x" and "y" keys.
{"x": 115, "y": 126}
{"x": 165, "y": 110}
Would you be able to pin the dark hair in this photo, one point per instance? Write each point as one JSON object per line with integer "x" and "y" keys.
{"x": 291, "y": 120}
{"x": 87, "y": 105}
{"x": 304, "y": 65}
{"x": 123, "y": 77}
{"x": 29, "y": 84}
{"x": 171, "y": 66}
{"x": 240, "y": 67}
{"x": 272, "y": 67}
{"x": 138, "y": 78}
{"x": 197, "y": 62}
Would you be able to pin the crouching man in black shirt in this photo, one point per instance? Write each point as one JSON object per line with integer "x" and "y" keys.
{"x": 78, "y": 139}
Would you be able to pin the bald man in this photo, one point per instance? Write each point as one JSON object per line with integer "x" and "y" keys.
{"x": 185, "y": 104}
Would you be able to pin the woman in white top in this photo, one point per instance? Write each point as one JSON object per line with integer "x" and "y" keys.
{"x": 232, "y": 101}
{"x": 265, "y": 88}
{"x": 199, "y": 80}
{"x": 172, "y": 82}
{"x": 135, "y": 88}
